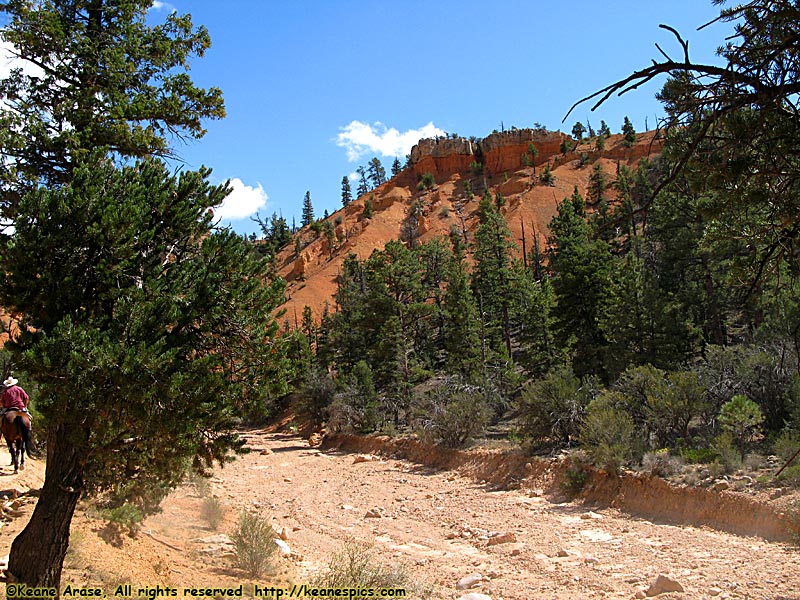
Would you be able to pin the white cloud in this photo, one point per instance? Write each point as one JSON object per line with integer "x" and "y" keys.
{"x": 243, "y": 201}
{"x": 362, "y": 138}
{"x": 8, "y": 62}
{"x": 158, "y": 5}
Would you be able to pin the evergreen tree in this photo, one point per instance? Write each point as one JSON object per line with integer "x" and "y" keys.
{"x": 600, "y": 144}
{"x": 397, "y": 167}
{"x": 347, "y": 194}
{"x": 376, "y": 173}
{"x": 597, "y": 185}
{"x": 363, "y": 184}
{"x": 143, "y": 327}
{"x": 547, "y": 177}
{"x": 308, "y": 211}
{"x": 604, "y": 130}
{"x": 109, "y": 80}
{"x": 461, "y": 339}
{"x": 493, "y": 275}
{"x": 578, "y": 130}
{"x": 580, "y": 269}
{"x": 308, "y": 326}
{"x": 629, "y": 133}
{"x": 733, "y": 128}
{"x": 532, "y": 317}
{"x": 640, "y": 322}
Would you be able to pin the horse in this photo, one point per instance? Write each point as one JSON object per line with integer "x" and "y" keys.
{"x": 16, "y": 428}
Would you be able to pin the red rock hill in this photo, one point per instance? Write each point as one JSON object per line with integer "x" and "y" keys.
{"x": 507, "y": 168}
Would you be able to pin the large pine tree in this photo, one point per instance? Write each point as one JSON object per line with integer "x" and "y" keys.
{"x": 143, "y": 328}
{"x": 126, "y": 294}
{"x": 580, "y": 267}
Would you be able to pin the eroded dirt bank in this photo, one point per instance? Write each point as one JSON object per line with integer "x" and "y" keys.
{"x": 637, "y": 494}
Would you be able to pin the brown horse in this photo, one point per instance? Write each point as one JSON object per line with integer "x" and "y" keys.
{"x": 16, "y": 428}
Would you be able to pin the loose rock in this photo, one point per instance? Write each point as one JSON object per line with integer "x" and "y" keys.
{"x": 662, "y": 585}
{"x": 283, "y": 547}
{"x": 469, "y": 581}
{"x": 503, "y": 538}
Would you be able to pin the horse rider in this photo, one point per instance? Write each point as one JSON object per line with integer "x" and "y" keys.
{"x": 14, "y": 397}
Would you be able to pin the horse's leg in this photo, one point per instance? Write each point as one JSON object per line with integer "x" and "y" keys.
{"x": 13, "y": 450}
{"x": 21, "y": 452}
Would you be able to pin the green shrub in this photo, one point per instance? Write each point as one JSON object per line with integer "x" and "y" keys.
{"x": 790, "y": 475}
{"x": 551, "y": 409}
{"x": 576, "y": 476}
{"x": 607, "y": 433}
{"x": 128, "y": 516}
{"x": 742, "y": 418}
{"x": 355, "y": 408}
{"x": 357, "y": 565}
{"x": 547, "y": 177}
{"x": 212, "y": 512}
{"x": 317, "y": 393}
{"x": 426, "y": 182}
{"x": 661, "y": 463}
{"x": 253, "y": 542}
{"x": 729, "y": 457}
{"x": 673, "y": 404}
{"x": 698, "y": 455}
{"x": 786, "y": 444}
{"x": 452, "y": 413}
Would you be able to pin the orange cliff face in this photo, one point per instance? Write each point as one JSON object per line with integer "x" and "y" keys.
{"x": 507, "y": 168}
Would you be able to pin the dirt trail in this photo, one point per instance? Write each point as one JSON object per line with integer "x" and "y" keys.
{"x": 440, "y": 525}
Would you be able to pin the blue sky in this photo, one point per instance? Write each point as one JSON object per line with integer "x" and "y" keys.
{"x": 315, "y": 88}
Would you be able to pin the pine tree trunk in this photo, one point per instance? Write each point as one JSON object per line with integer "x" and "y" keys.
{"x": 37, "y": 553}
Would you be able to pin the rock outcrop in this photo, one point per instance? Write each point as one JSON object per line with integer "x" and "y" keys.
{"x": 444, "y": 156}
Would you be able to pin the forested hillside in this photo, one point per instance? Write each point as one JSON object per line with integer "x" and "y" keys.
{"x": 633, "y": 294}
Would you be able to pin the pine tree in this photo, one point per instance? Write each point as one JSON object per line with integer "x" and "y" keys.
{"x": 111, "y": 80}
{"x": 363, "y": 184}
{"x": 493, "y": 275}
{"x": 533, "y": 154}
{"x": 578, "y": 130}
{"x": 532, "y": 317}
{"x": 397, "y": 167}
{"x": 143, "y": 327}
{"x": 308, "y": 211}
{"x": 376, "y": 173}
{"x": 629, "y": 133}
{"x": 580, "y": 268}
{"x": 347, "y": 194}
{"x": 597, "y": 185}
